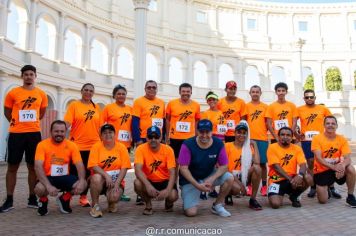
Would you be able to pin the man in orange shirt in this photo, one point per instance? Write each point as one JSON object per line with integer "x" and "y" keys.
{"x": 155, "y": 170}
{"x": 24, "y": 107}
{"x": 182, "y": 115}
{"x": 108, "y": 161}
{"x": 332, "y": 162}
{"x": 283, "y": 160}
{"x": 52, "y": 165}
{"x": 281, "y": 113}
{"x": 233, "y": 109}
{"x": 256, "y": 119}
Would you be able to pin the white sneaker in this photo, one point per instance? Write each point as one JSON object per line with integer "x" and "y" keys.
{"x": 219, "y": 209}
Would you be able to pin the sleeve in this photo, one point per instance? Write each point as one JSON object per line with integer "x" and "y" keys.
{"x": 345, "y": 147}
{"x": 300, "y": 156}
{"x": 44, "y": 103}
{"x": 219, "y": 104}
{"x": 9, "y": 102}
{"x": 269, "y": 112}
{"x": 168, "y": 109}
{"x": 294, "y": 111}
{"x": 40, "y": 152}
{"x": 136, "y": 109}
{"x": 76, "y": 154}
{"x": 139, "y": 155}
{"x": 135, "y": 127}
{"x": 69, "y": 116}
{"x": 243, "y": 111}
{"x": 271, "y": 156}
{"x": 222, "y": 158}
{"x": 171, "y": 162}
{"x": 315, "y": 144}
{"x": 125, "y": 157}
{"x": 197, "y": 112}
{"x": 93, "y": 157}
{"x": 184, "y": 156}
{"x": 104, "y": 115}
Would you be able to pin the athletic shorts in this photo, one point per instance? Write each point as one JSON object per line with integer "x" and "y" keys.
{"x": 162, "y": 185}
{"x": 327, "y": 178}
{"x": 176, "y": 144}
{"x": 306, "y": 145}
{"x": 229, "y": 139}
{"x": 282, "y": 187}
{"x": 63, "y": 183}
{"x": 20, "y": 143}
{"x": 191, "y": 195}
{"x": 262, "y": 150}
{"x": 85, "y": 157}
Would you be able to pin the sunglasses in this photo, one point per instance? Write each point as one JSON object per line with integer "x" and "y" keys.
{"x": 309, "y": 97}
{"x": 153, "y": 137}
{"x": 151, "y": 87}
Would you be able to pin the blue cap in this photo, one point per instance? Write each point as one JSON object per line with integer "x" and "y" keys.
{"x": 205, "y": 125}
{"x": 153, "y": 130}
{"x": 241, "y": 126}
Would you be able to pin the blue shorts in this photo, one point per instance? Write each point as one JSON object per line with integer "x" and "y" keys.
{"x": 306, "y": 145}
{"x": 262, "y": 150}
{"x": 191, "y": 195}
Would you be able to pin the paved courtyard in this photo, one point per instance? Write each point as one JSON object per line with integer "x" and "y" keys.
{"x": 335, "y": 218}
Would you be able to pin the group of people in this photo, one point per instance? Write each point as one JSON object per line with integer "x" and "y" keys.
{"x": 229, "y": 146}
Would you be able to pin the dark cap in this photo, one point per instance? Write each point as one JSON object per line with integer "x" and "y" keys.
{"x": 153, "y": 130}
{"x": 241, "y": 126}
{"x": 205, "y": 125}
{"x": 231, "y": 84}
{"x": 107, "y": 127}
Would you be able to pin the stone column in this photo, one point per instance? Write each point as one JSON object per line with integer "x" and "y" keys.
{"x": 112, "y": 57}
{"x": 297, "y": 67}
{"x": 3, "y": 19}
{"x": 86, "y": 47}
{"x": 60, "y": 97}
{"x": 189, "y": 69}
{"x": 189, "y": 29}
{"x": 60, "y": 38}
{"x": 4, "y": 123}
{"x": 347, "y": 76}
{"x": 31, "y": 43}
{"x": 319, "y": 84}
{"x": 141, "y": 7}
{"x": 240, "y": 80}
{"x": 213, "y": 78}
{"x": 165, "y": 24}
{"x": 266, "y": 82}
{"x": 165, "y": 65}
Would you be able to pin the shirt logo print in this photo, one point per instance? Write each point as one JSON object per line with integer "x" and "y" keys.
{"x": 237, "y": 163}
{"x": 108, "y": 161}
{"x": 228, "y": 113}
{"x": 283, "y": 115}
{"x": 154, "y": 110}
{"x": 124, "y": 118}
{"x": 89, "y": 115}
{"x": 329, "y": 153}
{"x": 184, "y": 115}
{"x": 311, "y": 118}
{"x": 221, "y": 120}
{"x": 155, "y": 165}
{"x": 28, "y": 102}
{"x": 255, "y": 115}
{"x": 286, "y": 159}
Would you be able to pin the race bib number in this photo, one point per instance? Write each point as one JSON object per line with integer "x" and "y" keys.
{"x": 157, "y": 122}
{"x": 222, "y": 129}
{"x": 230, "y": 124}
{"x": 124, "y": 135}
{"x": 114, "y": 174}
{"x": 27, "y": 115}
{"x": 310, "y": 134}
{"x": 183, "y": 127}
{"x": 59, "y": 170}
{"x": 278, "y": 124}
{"x": 273, "y": 188}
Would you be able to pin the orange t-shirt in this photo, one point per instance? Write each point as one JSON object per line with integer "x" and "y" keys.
{"x": 218, "y": 120}
{"x": 150, "y": 112}
{"x": 312, "y": 120}
{"x": 109, "y": 160}
{"x": 331, "y": 150}
{"x": 232, "y": 112}
{"x": 155, "y": 165}
{"x": 85, "y": 121}
{"x": 257, "y": 121}
{"x": 57, "y": 157}
{"x": 120, "y": 118}
{"x": 25, "y": 105}
{"x": 288, "y": 158}
{"x": 183, "y": 117}
{"x": 234, "y": 156}
{"x": 281, "y": 114}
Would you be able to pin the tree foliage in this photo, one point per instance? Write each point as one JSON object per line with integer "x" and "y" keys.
{"x": 309, "y": 82}
{"x": 333, "y": 80}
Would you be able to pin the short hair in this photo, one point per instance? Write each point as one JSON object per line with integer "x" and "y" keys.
{"x": 117, "y": 87}
{"x": 330, "y": 117}
{"x": 58, "y": 122}
{"x": 255, "y": 86}
{"x": 309, "y": 91}
{"x": 28, "y": 67}
{"x": 281, "y": 85}
{"x": 185, "y": 85}
{"x": 150, "y": 81}
{"x": 285, "y": 128}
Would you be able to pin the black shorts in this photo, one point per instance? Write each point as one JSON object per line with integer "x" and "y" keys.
{"x": 63, "y": 183}
{"x": 85, "y": 157}
{"x": 19, "y": 143}
{"x": 176, "y": 144}
{"x": 229, "y": 139}
{"x": 327, "y": 178}
{"x": 162, "y": 185}
{"x": 285, "y": 187}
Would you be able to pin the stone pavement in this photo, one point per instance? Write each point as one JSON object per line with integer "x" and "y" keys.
{"x": 312, "y": 219}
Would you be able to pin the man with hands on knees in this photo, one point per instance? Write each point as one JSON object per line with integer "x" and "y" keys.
{"x": 155, "y": 170}
{"x": 52, "y": 159}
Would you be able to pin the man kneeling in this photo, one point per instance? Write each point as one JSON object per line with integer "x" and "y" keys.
{"x": 108, "y": 161}
{"x": 155, "y": 170}
{"x": 52, "y": 159}
{"x": 283, "y": 159}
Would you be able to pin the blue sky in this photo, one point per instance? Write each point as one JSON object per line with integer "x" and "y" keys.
{"x": 308, "y": 1}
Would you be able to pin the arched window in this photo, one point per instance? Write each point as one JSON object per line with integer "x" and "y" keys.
{"x": 125, "y": 63}
{"x": 200, "y": 74}
{"x": 99, "y": 57}
{"x": 17, "y": 23}
{"x": 73, "y": 48}
{"x": 225, "y": 74}
{"x": 151, "y": 68}
{"x": 277, "y": 75}
{"x": 308, "y": 78}
{"x": 175, "y": 71}
{"x": 251, "y": 77}
{"x": 46, "y": 37}
{"x": 333, "y": 79}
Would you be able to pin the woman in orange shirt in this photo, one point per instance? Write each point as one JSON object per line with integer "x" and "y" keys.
{"x": 83, "y": 116}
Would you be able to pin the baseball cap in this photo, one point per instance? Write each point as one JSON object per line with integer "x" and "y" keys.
{"x": 241, "y": 126}
{"x": 107, "y": 127}
{"x": 231, "y": 84}
{"x": 153, "y": 130}
{"x": 205, "y": 125}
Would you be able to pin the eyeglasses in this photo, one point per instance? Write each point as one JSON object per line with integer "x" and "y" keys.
{"x": 153, "y": 137}
{"x": 151, "y": 87}
{"x": 309, "y": 97}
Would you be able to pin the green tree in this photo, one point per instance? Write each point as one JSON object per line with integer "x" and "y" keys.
{"x": 309, "y": 82}
{"x": 333, "y": 80}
